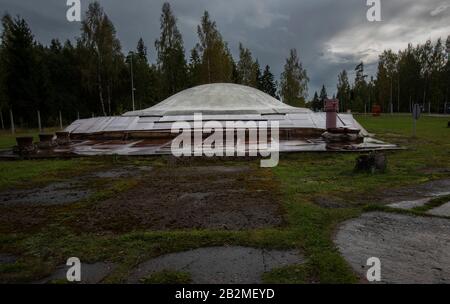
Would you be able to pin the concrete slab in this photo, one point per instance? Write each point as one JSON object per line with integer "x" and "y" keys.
{"x": 443, "y": 210}
{"x": 220, "y": 265}
{"x": 410, "y": 204}
{"x": 411, "y": 249}
{"x": 90, "y": 273}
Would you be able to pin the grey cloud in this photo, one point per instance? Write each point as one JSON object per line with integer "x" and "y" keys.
{"x": 329, "y": 35}
{"x": 440, "y": 9}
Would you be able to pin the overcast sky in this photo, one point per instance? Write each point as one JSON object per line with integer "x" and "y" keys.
{"x": 329, "y": 35}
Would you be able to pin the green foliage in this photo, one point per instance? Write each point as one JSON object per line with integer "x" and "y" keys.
{"x": 294, "y": 81}
{"x": 170, "y": 54}
{"x": 301, "y": 178}
{"x": 216, "y": 60}
{"x": 343, "y": 91}
{"x": 418, "y": 74}
{"x": 247, "y": 69}
{"x": 268, "y": 83}
{"x": 167, "y": 277}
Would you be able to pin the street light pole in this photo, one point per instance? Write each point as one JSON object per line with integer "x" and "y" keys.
{"x": 132, "y": 80}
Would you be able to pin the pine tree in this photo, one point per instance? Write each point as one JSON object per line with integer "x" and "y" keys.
{"x": 170, "y": 59}
{"x": 141, "y": 50}
{"x": 105, "y": 58}
{"x": 343, "y": 90}
{"x": 322, "y": 97}
{"x": 247, "y": 68}
{"x": 268, "y": 84}
{"x": 216, "y": 60}
{"x": 194, "y": 68}
{"x": 359, "y": 89}
{"x": 21, "y": 76}
{"x": 315, "y": 103}
{"x": 145, "y": 80}
{"x": 257, "y": 69}
{"x": 294, "y": 81}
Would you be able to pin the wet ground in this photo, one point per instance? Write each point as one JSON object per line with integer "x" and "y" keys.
{"x": 219, "y": 265}
{"x": 54, "y": 194}
{"x": 411, "y": 249}
{"x": 68, "y": 191}
{"x": 177, "y": 197}
{"x": 415, "y": 192}
{"x": 214, "y": 197}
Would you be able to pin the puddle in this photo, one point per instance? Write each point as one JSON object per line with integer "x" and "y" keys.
{"x": 412, "y": 250}
{"x": 52, "y": 194}
{"x": 220, "y": 265}
{"x": 6, "y": 258}
{"x": 415, "y": 196}
{"x": 410, "y": 204}
{"x": 414, "y": 193}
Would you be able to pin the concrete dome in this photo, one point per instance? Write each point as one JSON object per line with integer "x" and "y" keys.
{"x": 219, "y": 98}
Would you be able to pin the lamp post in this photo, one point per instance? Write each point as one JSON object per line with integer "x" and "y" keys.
{"x": 132, "y": 80}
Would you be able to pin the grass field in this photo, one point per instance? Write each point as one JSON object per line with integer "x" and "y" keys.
{"x": 300, "y": 177}
{"x": 7, "y": 139}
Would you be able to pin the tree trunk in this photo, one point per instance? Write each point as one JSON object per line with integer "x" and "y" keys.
{"x": 100, "y": 94}
{"x": 100, "y": 86}
{"x": 109, "y": 99}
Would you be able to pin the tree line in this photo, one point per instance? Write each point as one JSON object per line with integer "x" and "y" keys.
{"x": 92, "y": 75}
{"x": 415, "y": 75}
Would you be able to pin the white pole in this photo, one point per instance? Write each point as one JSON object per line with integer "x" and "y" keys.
{"x": 132, "y": 80}
{"x": 60, "y": 120}
{"x": 39, "y": 120}
{"x": 12, "y": 122}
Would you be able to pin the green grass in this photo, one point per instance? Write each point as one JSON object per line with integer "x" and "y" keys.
{"x": 301, "y": 178}
{"x": 8, "y": 140}
{"x": 167, "y": 277}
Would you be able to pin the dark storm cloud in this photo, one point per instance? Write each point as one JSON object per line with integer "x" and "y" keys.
{"x": 329, "y": 35}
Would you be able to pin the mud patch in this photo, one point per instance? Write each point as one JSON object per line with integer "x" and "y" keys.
{"x": 90, "y": 273}
{"x": 52, "y": 194}
{"x": 122, "y": 172}
{"x": 330, "y": 202}
{"x": 211, "y": 197}
{"x": 6, "y": 258}
{"x": 220, "y": 265}
{"x": 428, "y": 190}
{"x": 411, "y": 249}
